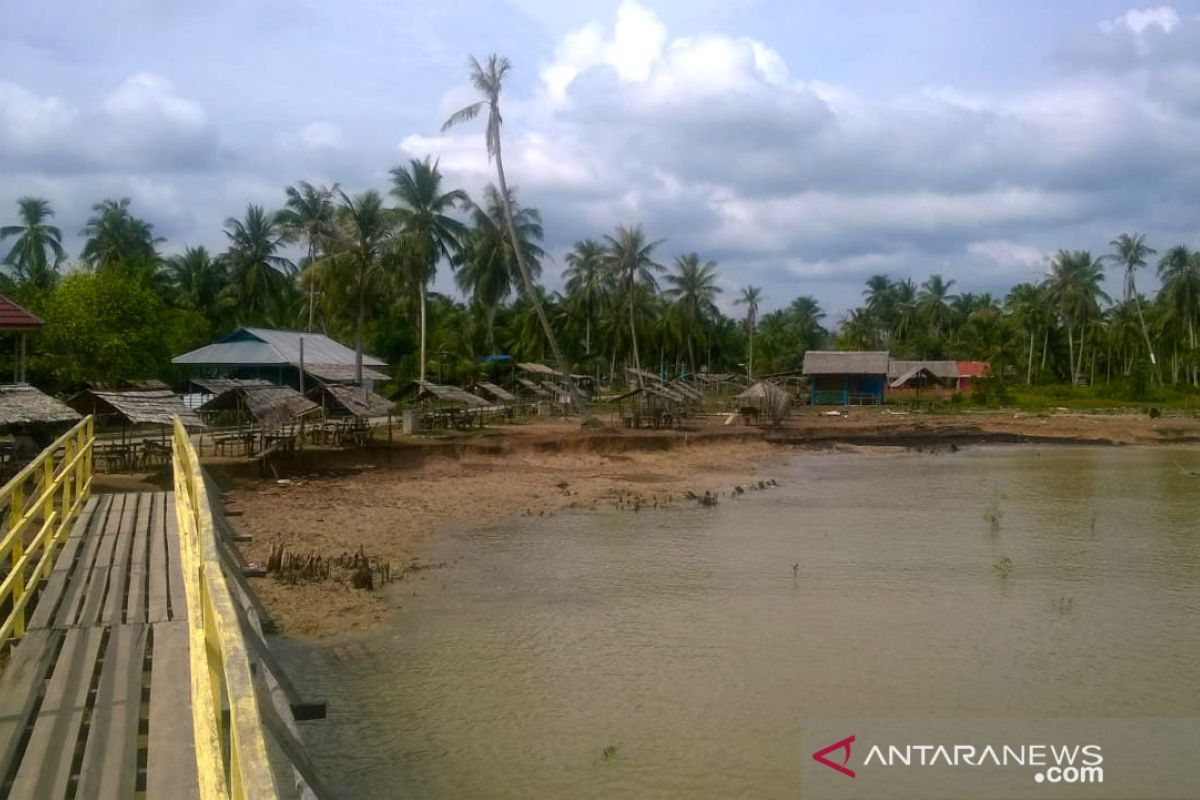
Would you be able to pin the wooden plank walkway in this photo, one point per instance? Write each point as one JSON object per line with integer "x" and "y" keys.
{"x": 95, "y": 701}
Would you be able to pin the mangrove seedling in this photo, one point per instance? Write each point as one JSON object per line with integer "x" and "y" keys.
{"x": 610, "y": 752}
{"x": 1003, "y": 566}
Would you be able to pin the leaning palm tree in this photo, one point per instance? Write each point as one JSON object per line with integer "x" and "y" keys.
{"x": 630, "y": 258}
{"x": 750, "y": 298}
{"x": 423, "y": 212}
{"x": 486, "y": 269}
{"x": 1130, "y": 255}
{"x": 585, "y": 282}
{"x": 308, "y": 214}
{"x": 37, "y": 240}
{"x": 256, "y": 272}
{"x": 489, "y": 81}
{"x": 693, "y": 286}
{"x": 363, "y": 244}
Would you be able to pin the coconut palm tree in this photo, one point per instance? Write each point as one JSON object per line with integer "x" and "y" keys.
{"x": 586, "y": 281}
{"x": 1074, "y": 283}
{"x": 750, "y": 297}
{"x": 934, "y": 302}
{"x": 1131, "y": 253}
{"x": 35, "y": 255}
{"x": 486, "y": 267}
{"x": 197, "y": 280}
{"x": 423, "y": 210}
{"x": 1179, "y": 271}
{"x": 360, "y": 252}
{"x": 489, "y": 82}
{"x": 693, "y": 287}
{"x": 308, "y": 214}
{"x": 116, "y": 238}
{"x": 256, "y": 271}
{"x": 629, "y": 256}
{"x": 1030, "y": 307}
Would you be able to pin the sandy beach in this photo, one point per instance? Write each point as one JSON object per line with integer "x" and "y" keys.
{"x": 392, "y": 499}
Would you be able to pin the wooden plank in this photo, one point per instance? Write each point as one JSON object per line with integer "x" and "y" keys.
{"x": 158, "y": 560}
{"x": 109, "y": 766}
{"x": 171, "y": 758}
{"x": 20, "y": 688}
{"x": 98, "y": 581}
{"x": 175, "y": 577}
{"x": 77, "y": 583}
{"x": 135, "y": 606}
{"x": 51, "y": 596}
{"x": 118, "y": 578}
{"x": 45, "y": 769}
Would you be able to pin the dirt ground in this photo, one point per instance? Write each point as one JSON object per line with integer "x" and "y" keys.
{"x": 392, "y": 499}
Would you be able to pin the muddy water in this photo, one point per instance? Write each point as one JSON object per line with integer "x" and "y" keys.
{"x": 686, "y": 641}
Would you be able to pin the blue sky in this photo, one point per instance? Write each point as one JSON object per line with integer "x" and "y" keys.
{"x": 804, "y": 146}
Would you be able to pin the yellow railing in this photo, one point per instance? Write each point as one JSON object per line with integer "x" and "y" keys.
{"x": 231, "y": 759}
{"x": 61, "y": 485}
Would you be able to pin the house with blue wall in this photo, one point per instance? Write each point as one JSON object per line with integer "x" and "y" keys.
{"x": 845, "y": 379}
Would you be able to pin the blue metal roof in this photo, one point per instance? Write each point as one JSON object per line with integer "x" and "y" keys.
{"x": 266, "y": 347}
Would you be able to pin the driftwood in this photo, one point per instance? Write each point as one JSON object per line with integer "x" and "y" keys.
{"x": 359, "y": 569}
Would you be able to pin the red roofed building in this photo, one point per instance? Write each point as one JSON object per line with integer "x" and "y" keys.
{"x": 16, "y": 319}
{"x": 968, "y": 371}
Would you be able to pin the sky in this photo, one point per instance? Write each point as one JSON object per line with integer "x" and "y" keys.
{"x": 804, "y": 146}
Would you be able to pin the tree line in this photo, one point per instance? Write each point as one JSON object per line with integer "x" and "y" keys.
{"x": 367, "y": 261}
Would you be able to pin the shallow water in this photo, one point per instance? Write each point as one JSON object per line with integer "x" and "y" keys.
{"x": 684, "y": 639}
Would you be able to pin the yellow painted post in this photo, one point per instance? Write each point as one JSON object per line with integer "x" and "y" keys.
{"x": 17, "y": 503}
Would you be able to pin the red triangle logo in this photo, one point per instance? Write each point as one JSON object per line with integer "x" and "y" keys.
{"x": 844, "y": 744}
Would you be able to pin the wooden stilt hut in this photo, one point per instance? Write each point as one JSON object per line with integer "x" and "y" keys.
{"x": 263, "y": 415}
{"x": 349, "y": 411}
{"x": 137, "y": 424}
{"x": 442, "y": 407}
{"x": 33, "y": 420}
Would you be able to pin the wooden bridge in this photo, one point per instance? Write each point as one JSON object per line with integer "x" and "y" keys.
{"x": 136, "y": 665}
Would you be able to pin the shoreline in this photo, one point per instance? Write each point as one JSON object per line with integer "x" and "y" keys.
{"x": 395, "y": 499}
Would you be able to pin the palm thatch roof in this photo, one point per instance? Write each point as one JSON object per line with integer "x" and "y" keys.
{"x": 353, "y": 400}
{"x": 135, "y": 407}
{"x": 269, "y": 405}
{"x": 829, "y": 362}
{"x": 761, "y": 391}
{"x": 644, "y": 375}
{"x": 918, "y": 375}
{"x": 533, "y": 388}
{"x": 537, "y": 369}
{"x": 946, "y": 370}
{"x": 495, "y": 392}
{"x": 424, "y": 390}
{"x": 687, "y": 389}
{"x": 342, "y": 373}
{"x": 218, "y": 385}
{"x": 21, "y": 404}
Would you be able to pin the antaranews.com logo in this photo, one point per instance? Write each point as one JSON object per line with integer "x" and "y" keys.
{"x": 998, "y": 758}
{"x": 1064, "y": 763}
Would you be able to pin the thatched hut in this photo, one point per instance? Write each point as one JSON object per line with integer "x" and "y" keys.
{"x": 340, "y": 400}
{"x": 651, "y": 404}
{"x": 764, "y": 401}
{"x": 267, "y": 405}
{"x": 442, "y": 406}
{"x": 23, "y": 405}
{"x": 134, "y": 408}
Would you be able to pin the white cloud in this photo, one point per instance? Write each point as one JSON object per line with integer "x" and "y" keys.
{"x": 322, "y": 136}
{"x": 146, "y": 98}
{"x": 1140, "y": 20}
{"x": 637, "y": 41}
{"x": 29, "y": 123}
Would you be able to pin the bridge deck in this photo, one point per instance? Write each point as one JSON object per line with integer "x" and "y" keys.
{"x": 96, "y": 702}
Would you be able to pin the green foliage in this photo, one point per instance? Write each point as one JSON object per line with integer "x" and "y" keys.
{"x": 105, "y": 325}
